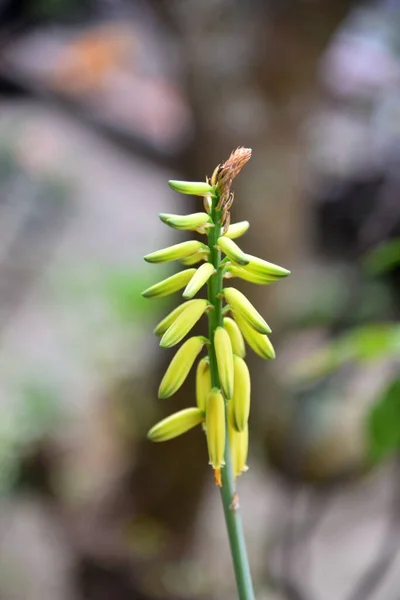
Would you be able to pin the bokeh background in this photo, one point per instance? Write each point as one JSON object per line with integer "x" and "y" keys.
{"x": 101, "y": 102}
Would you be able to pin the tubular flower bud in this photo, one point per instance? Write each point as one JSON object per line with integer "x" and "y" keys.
{"x": 232, "y": 250}
{"x": 180, "y": 366}
{"x": 215, "y": 428}
{"x": 207, "y": 204}
{"x": 176, "y": 424}
{"x": 185, "y": 222}
{"x": 195, "y": 258}
{"x": 238, "y": 444}
{"x": 241, "y": 394}
{"x": 183, "y": 323}
{"x": 201, "y": 277}
{"x": 244, "y": 273}
{"x": 224, "y": 354}
{"x": 258, "y": 342}
{"x": 236, "y": 337}
{"x": 203, "y": 383}
{"x": 240, "y": 304}
{"x": 171, "y": 317}
{"x": 175, "y": 252}
{"x": 265, "y": 268}
{"x": 196, "y": 188}
{"x": 237, "y": 229}
{"x": 170, "y": 285}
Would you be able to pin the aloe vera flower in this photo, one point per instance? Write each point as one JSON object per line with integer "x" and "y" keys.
{"x": 221, "y": 404}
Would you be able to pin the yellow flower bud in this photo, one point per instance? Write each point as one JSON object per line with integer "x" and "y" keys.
{"x": 232, "y": 250}
{"x": 207, "y": 203}
{"x": 238, "y": 446}
{"x": 197, "y": 188}
{"x": 216, "y": 431}
{"x": 175, "y": 425}
{"x": 224, "y": 355}
{"x": 260, "y": 343}
{"x": 180, "y": 366}
{"x": 201, "y": 277}
{"x": 241, "y": 394}
{"x": 237, "y": 229}
{"x": 236, "y": 337}
{"x": 263, "y": 267}
{"x": 183, "y": 323}
{"x": 243, "y": 273}
{"x": 175, "y": 252}
{"x": 185, "y": 222}
{"x": 240, "y": 304}
{"x": 195, "y": 258}
{"x": 203, "y": 383}
{"x": 171, "y": 317}
{"x": 170, "y": 285}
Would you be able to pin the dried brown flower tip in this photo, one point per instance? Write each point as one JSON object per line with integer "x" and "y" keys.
{"x": 229, "y": 170}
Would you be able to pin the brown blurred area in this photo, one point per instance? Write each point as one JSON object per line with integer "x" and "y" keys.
{"x": 100, "y": 104}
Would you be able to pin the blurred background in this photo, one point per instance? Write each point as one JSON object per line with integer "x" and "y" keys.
{"x": 101, "y": 102}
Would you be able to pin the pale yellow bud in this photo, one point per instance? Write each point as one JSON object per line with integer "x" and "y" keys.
{"x": 185, "y": 222}
{"x": 241, "y": 394}
{"x": 216, "y": 430}
{"x": 240, "y": 304}
{"x": 195, "y": 258}
{"x": 170, "y": 285}
{"x": 259, "y": 342}
{"x": 183, "y": 323}
{"x": 180, "y": 366}
{"x": 263, "y": 267}
{"x": 176, "y": 424}
{"x": 171, "y": 317}
{"x": 243, "y": 273}
{"x": 236, "y": 337}
{"x": 201, "y": 277}
{"x": 197, "y": 188}
{"x": 238, "y": 445}
{"x": 224, "y": 355}
{"x": 203, "y": 383}
{"x": 232, "y": 250}
{"x": 175, "y": 252}
{"x": 237, "y": 229}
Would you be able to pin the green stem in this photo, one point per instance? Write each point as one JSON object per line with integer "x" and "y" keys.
{"x": 228, "y": 490}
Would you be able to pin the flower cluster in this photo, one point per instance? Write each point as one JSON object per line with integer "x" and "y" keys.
{"x": 222, "y": 377}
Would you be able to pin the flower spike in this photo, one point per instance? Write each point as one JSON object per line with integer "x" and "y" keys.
{"x": 223, "y": 384}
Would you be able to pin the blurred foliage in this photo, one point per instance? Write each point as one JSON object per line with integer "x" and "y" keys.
{"x": 337, "y": 294}
{"x": 108, "y": 294}
{"x": 372, "y": 342}
{"x": 383, "y": 424}
{"x": 36, "y": 411}
{"x": 386, "y": 257}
